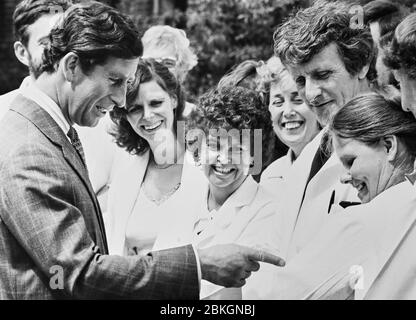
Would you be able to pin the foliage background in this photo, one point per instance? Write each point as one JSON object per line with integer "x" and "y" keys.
{"x": 222, "y": 32}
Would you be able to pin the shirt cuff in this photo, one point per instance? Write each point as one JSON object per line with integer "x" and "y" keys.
{"x": 198, "y": 266}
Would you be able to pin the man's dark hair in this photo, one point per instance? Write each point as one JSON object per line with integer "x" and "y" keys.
{"x": 27, "y": 12}
{"x": 94, "y": 32}
{"x": 304, "y": 35}
{"x": 401, "y": 52}
{"x": 387, "y": 14}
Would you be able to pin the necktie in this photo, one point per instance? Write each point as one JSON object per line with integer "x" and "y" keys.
{"x": 73, "y": 136}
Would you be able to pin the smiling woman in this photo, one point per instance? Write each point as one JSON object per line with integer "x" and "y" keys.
{"x": 294, "y": 123}
{"x": 376, "y": 142}
{"x": 154, "y": 187}
{"x": 233, "y": 206}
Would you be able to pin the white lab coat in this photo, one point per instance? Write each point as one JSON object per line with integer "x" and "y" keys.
{"x": 303, "y": 220}
{"x": 272, "y": 178}
{"x": 363, "y": 252}
{"x": 241, "y": 219}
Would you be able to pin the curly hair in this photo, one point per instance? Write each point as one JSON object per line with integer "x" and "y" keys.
{"x": 232, "y": 107}
{"x": 27, "y": 12}
{"x": 147, "y": 70}
{"x": 94, "y": 32}
{"x": 167, "y": 36}
{"x": 304, "y": 35}
{"x": 400, "y": 54}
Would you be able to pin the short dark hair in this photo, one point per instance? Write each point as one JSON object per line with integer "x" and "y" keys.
{"x": 370, "y": 117}
{"x": 147, "y": 70}
{"x": 400, "y": 54}
{"x": 386, "y": 12}
{"x": 95, "y": 32}
{"x": 232, "y": 107}
{"x": 304, "y": 35}
{"x": 27, "y": 12}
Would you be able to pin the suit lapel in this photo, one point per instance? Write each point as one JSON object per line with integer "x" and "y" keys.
{"x": 44, "y": 122}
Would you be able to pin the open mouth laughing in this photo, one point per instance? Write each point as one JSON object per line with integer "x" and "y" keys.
{"x": 221, "y": 170}
{"x": 292, "y": 125}
{"x": 152, "y": 127}
{"x": 361, "y": 188}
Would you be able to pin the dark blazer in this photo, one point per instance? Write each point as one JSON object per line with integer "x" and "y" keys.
{"x": 52, "y": 237}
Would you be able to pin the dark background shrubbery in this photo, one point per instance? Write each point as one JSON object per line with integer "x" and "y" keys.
{"x": 222, "y": 32}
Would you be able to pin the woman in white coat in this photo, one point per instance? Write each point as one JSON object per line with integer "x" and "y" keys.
{"x": 364, "y": 251}
{"x": 153, "y": 186}
{"x": 234, "y": 205}
{"x": 293, "y": 122}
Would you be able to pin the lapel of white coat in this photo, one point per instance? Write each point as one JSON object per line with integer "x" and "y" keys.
{"x": 226, "y": 225}
{"x": 124, "y": 191}
{"x": 295, "y": 182}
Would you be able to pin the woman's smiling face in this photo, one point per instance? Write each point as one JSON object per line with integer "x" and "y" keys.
{"x": 369, "y": 168}
{"x": 293, "y": 122}
{"x": 227, "y": 161}
{"x": 152, "y": 112}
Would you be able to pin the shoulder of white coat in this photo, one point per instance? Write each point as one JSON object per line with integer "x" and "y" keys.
{"x": 264, "y": 199}
{"x": 276, "y": 169}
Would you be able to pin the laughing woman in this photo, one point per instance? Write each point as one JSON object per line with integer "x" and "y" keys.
{"x": 234, "y": 206}
{"x": 293, "y": 122}
{"x": 154, "y": 187}
{"x": 364, "y": 251}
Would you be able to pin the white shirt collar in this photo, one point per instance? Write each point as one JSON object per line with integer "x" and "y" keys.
{"x": 242, "y": 196}
{"x": 46, "y": 103}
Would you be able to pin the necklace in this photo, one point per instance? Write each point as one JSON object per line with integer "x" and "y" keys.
{"x": 158, "y": 166}
{"x": 164, "y": 197}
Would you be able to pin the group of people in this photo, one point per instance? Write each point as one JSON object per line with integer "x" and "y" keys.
{"x": 110, "y": 174}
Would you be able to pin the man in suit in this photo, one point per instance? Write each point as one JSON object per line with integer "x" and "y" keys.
{"x": 32, "y": 21}
{"x": 331, "y": 62}
{"x": 53, "y": 239}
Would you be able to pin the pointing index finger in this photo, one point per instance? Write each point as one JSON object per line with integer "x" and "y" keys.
{"x": 263, "y": 256}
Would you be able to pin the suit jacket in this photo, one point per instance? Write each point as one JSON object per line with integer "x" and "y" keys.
{"x": 50, "y": 220}
{"x": 303, "y": 219}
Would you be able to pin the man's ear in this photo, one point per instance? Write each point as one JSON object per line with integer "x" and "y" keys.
{"x": 70, "y": 67}
{"x": 363, "y": 73}
{"x": 21, "y": 53}
{"x": 391, "y": 146}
